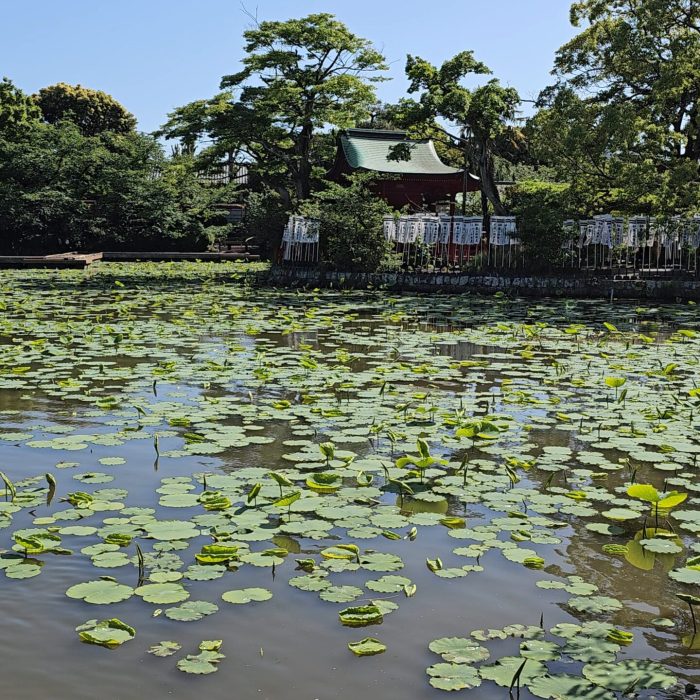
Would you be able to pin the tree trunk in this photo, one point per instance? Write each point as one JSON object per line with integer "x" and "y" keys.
{"x": 303, "y": 175}
{"x": 488, "y": 180}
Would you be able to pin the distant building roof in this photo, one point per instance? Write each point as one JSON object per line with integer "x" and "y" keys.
{"x": 368, "y": 149}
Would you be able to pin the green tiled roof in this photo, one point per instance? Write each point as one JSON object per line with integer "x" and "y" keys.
{"x": 368, "y": 149}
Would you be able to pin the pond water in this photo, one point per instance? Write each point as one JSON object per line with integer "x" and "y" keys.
{"x": 477, "y": 475}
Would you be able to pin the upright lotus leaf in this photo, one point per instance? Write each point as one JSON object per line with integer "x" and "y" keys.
{"x": 287, "y": 500}
{"x": 671, "y": 500}
{"x": 100, "y": 592}
{"x": 219, "y": 553}
{"x": 644, "y": 492}
{"x": 369, "y": 646}
{"x": 324, "y": 482}
{"x": 10, "y": 490}
{"x": 361, "y": 616}
{"x": 107, "y": 633}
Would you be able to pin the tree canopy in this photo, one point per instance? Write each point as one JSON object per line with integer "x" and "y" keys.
{"x": 17, "y": 109}
{"x": 481, "y": 118}
{"x": 622, "y": 123}
{"x": 93, "y": 111}
{"x": 299, "y": 77}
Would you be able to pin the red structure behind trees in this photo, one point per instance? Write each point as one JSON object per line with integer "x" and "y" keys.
{"x": 410, "y": 172}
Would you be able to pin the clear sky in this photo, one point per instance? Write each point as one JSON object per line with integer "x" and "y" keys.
{"x": 154, "y": 55}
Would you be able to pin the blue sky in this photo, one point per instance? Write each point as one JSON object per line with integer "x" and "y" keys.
{"x": 154, "y": 55}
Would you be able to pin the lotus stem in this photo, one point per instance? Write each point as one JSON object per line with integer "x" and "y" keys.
{"x": 692, "y": 615}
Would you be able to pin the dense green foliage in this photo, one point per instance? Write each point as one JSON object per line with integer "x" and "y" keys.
{"x": 351, "y": 234}
{"x": 93, "y": 111}
{"x": 299, "y": 77}
{"x": 482, "y": 117}
{"x": 60, "y": 190}
{"x": 622, "y": 124}
{"x": 541, "y": 208}
{"x": 17, "y": 109}
{"x": 619, "y": 131}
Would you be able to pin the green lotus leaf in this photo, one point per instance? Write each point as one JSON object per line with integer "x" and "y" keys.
{"x": 446, "y": 676}
{"x": 590, "y": 649}
{"x": 191, "y": 610}
{"x": 340, "y": 594}
{"x": 361, "y": 616}
{"x": 594, "y": 604}
{"x": 246, "y": 595}
{"x": 165, "y": 648}
{"x": 503, "y": 671}
{"x": 367, "y": 647}
{"x": 171, "y": 530}
{"x": 162, "y": 593}
{"x": 459, "y": 650}
{"x": 630, "y": 673}
{"x": 566, "y": 687}
{"x": 107, "y": 633}
{"x": 539, "y": 650}
{"x": 100, "y": 592}
{"x": 388, "y": 584}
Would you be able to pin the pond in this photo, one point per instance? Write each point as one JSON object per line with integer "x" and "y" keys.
{"x": 214, "y": 488}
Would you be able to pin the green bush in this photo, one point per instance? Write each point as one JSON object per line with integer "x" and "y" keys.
{"x": 351, "y": 230}
{"x": 61, "y": 190}
{"x": 541, "y": 208}
{"x": 265, "y": 218}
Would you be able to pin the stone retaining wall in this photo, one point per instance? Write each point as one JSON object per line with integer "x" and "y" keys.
{"x": 575, "y": 285}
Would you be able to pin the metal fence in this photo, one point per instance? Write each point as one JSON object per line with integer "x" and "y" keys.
{"x": 452, "y": 244}
{"x": 300, "y": 241}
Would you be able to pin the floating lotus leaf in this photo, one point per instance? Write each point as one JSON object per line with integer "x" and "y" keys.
{"x": 446, "y": 676}
{"x": 388, "y": 584}
{"x": 165, "y": 648}
{"x": 171, "y": 530}
{"x": 630, "y": 673}
{"x": 505, "y": 668}
{"x": 246, "y": 595}
{"x": 100, "y": 592}
{"x": 459, "y": 650}
{"x": 340, "y": 594}
{"x": 162, "y": 593}
{"x": 106, "y": 633}
{"x": 191, "y": 610}
{"x": 367, "y": 647}
{"x": 539, "y": 650}
{"x": 566, "y": 687}
{"x": 594, "y": 604}
{"x": 590, "y": 649}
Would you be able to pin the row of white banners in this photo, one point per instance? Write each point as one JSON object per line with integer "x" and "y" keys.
{"x": 605, "y": 230}
{"x": 445, "y": 230}
{"x": 611, "y": 231}
{"x": 300, "y": 229}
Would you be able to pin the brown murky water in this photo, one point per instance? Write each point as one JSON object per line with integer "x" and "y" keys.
{"x": 291, "y": 646}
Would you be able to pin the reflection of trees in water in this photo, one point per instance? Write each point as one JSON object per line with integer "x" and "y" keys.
{"x": 645, "y": 593}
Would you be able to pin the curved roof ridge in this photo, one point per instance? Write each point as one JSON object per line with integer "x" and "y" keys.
{"x": 368, "y": 149}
